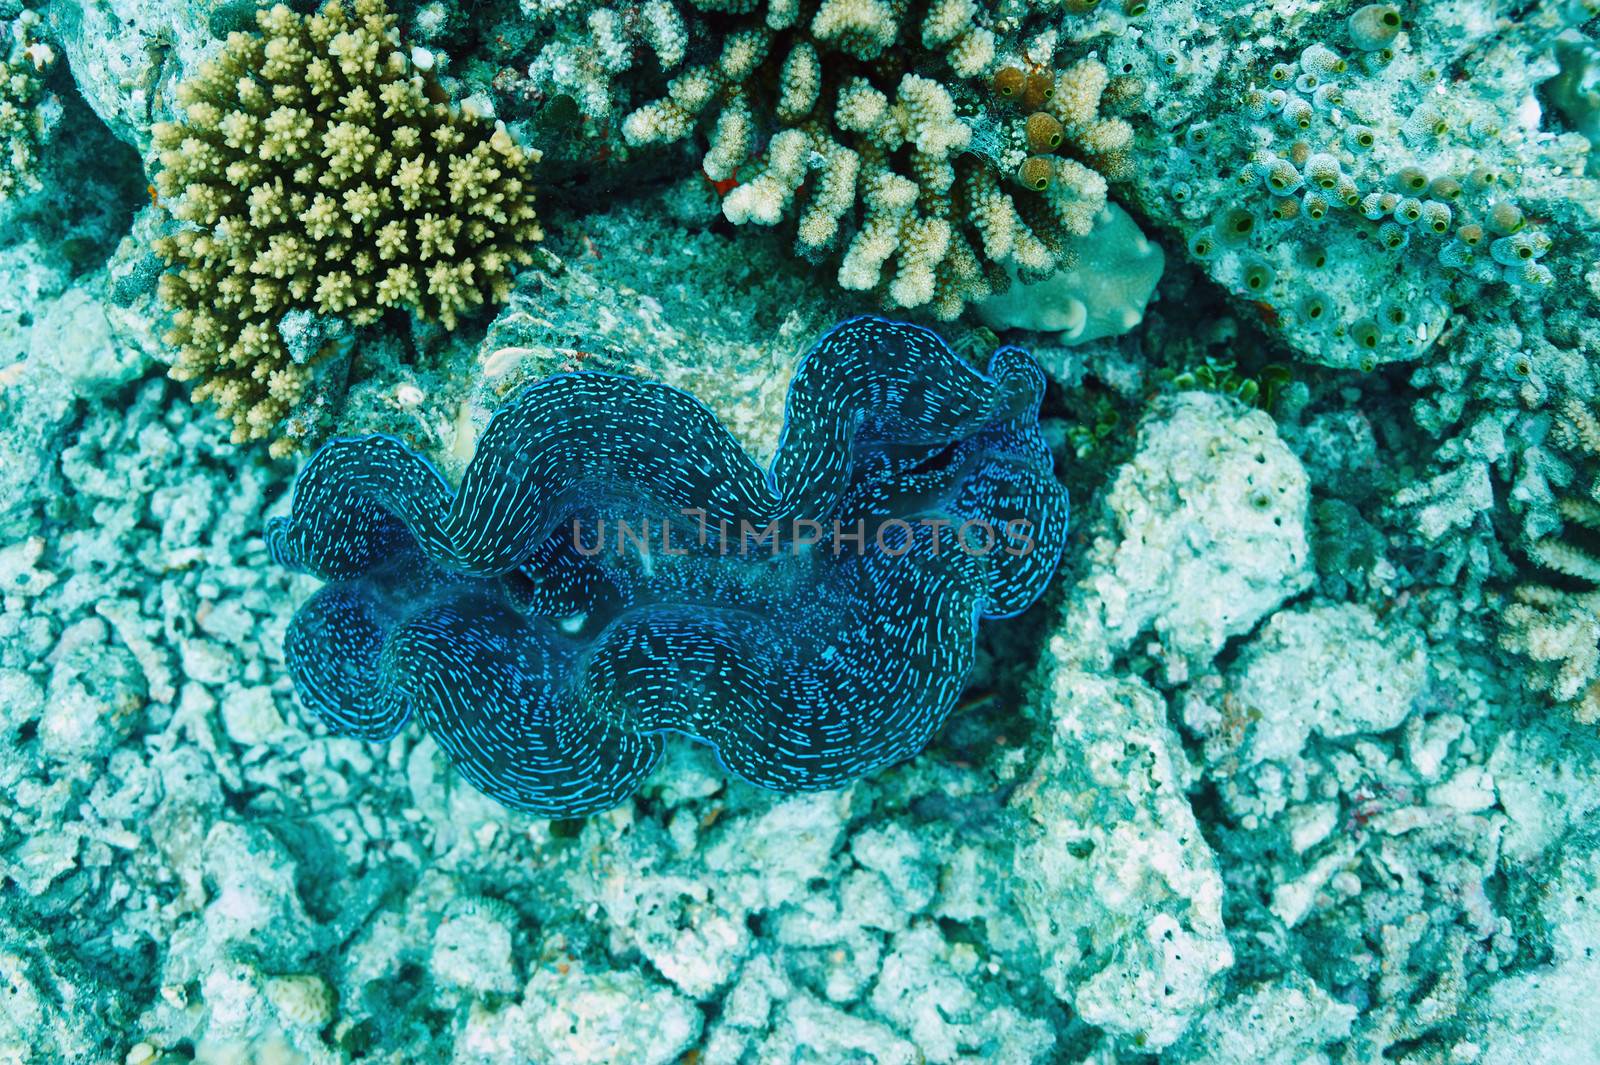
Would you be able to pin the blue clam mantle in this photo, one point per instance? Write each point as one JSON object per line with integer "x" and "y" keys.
{"x": 614, "y": 567}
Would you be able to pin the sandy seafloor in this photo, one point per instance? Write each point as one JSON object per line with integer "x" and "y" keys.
{"x": 1294, "y": 761}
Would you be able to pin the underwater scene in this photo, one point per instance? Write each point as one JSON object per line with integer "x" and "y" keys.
{"x": 799, "y": 532}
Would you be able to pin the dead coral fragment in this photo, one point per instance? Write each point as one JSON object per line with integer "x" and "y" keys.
{"x": 317, "y": 170}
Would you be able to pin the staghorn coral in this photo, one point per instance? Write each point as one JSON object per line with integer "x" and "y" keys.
{"x": 549, "y": 666}
{"x": 924, "y": 182}
{"x": 21, "y": 92}
{"x": 318, "y": 170}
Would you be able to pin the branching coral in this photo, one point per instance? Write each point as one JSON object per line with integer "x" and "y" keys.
{"x": 922, "y": 186}
{"x": 21, "y": 90}
{"x": 1558, "y": 627}
{"x": 318, "y": 170}
{"x": 591, "y": 46}
{"x": 1516, "y": 479}
{"x": 1559, "y": 632}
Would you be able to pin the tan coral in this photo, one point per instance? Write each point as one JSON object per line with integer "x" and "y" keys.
{"x": 1558, "y": 629}
{"x": 1559, "y": 632}
{"x": 318, "y": 170}
{"x": 303, "y": 1000}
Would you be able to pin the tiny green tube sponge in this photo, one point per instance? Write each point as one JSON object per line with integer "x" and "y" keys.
{"x": 1375, "y": 26}
{"x": 316, "y": 169}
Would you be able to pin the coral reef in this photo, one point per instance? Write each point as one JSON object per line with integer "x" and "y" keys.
{"x": 1543, "y": 1015}
{"x": 1520, "y": 407}
{"x": 1356, "y": 151}
{"x": 547, "y": 656}
{"x": 317, "y": 170}
{"x": 720, "y": 317}
{"x": 1366, "y": 199}
{"x": 1296, "y": 761}
{"x": 296, "y": 892}
{"x": 1356, "y": 191}
{"x": 78, "y": 348}
{"x": 1327, "y": 756}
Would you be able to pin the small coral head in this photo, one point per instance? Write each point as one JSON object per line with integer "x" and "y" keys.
{"x": 275, "y": 213}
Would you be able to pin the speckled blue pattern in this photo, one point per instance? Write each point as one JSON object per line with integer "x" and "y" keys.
{"x": 548, "y": 653}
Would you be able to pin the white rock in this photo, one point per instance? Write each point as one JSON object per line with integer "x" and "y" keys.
{"x": 472, "y": 949}
{"x": 1113, "y": 876}
{"x": 1205, "y": 534}
{"x": 250, "y": 715}
{"x": 1468, "y": 791}
{"x": 1545, "y": 1014}
{"x": 1286, "y": 1022}
{"x": 594, "y": 1018}
{"x": 1102, "y": 294}
{"x": 1331, "y": 670}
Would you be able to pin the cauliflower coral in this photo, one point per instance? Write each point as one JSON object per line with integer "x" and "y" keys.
{"x": 927, "y": 184}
